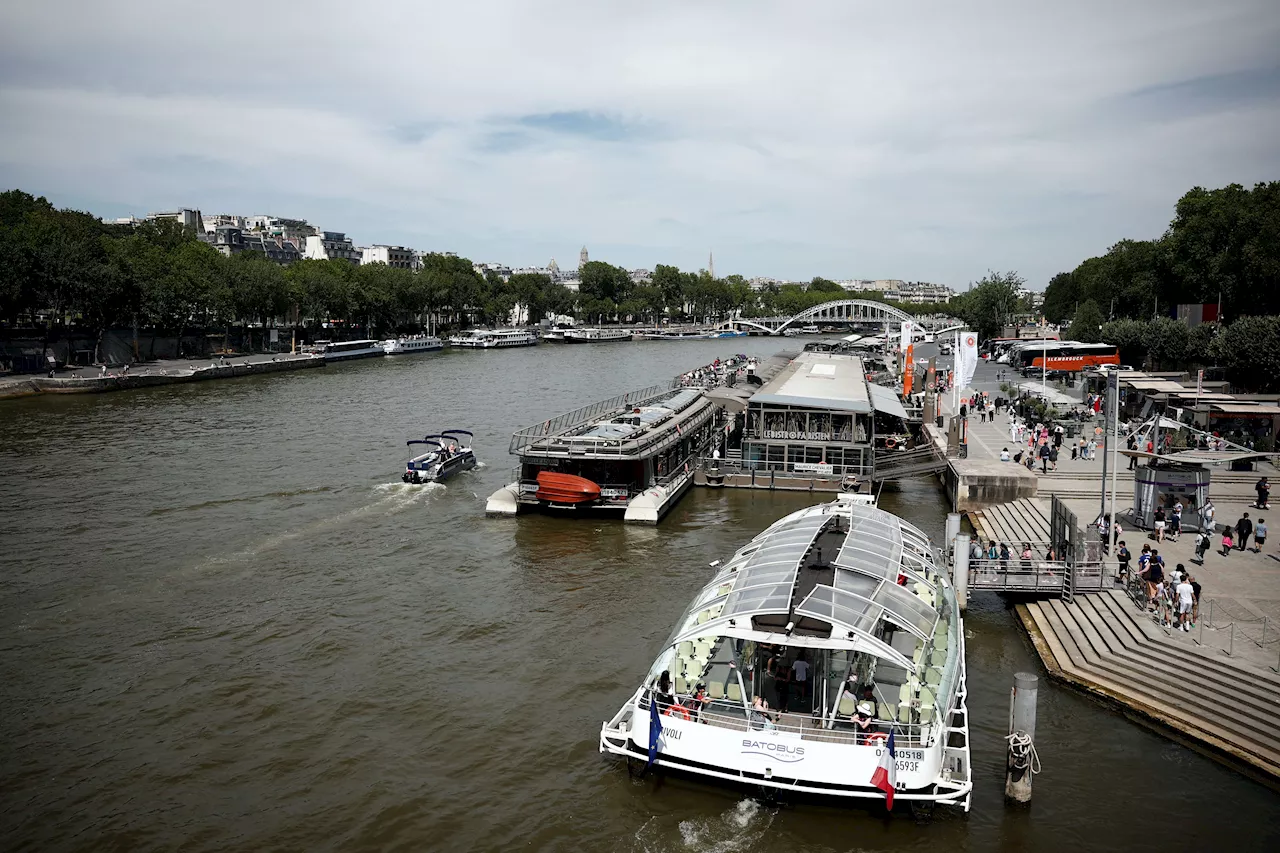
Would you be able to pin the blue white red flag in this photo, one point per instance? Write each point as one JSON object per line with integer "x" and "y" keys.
{"x": 886, "y": 776}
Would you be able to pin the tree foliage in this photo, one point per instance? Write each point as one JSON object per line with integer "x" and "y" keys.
{"x": 1086, "y": 326}
{"x": 990, "y": 304}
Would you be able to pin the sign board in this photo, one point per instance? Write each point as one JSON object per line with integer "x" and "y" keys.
{"x": 812, "y": 468}
{"x": 797, "y": 436}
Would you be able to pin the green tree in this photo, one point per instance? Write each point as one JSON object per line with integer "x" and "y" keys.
{"x": 822, "y": 285}
{"x": 991, "y": 302}
{"x": 1086, "y": 325}
{"x": 1250, "y": 348}
{"x": 1130, "y": 337}
{"x": 1168, "y": 342}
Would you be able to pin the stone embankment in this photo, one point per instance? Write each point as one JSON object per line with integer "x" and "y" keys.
{"x": 155, "y": 374}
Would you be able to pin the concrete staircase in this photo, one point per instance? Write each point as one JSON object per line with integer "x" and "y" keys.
{"x": 1023, "y": 520}
{"x": 1106, "y": 645}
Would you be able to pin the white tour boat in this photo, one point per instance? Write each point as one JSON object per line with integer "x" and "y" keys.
{"x": 344, "y": 350}
{"x": 858, "y": 602}
{"x": 494, "y": 338}
{"x": 595, "y": 336}
{"x": 412, "y": 345}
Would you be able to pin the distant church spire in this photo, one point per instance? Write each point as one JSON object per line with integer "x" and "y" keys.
{"x": 582, "y": 258}
{"x": 711, "y": 263}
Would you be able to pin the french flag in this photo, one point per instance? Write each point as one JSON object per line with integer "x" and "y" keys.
{"x": 886, "y": 776}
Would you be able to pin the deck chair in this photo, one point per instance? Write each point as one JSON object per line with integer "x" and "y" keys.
{"x": 905, "y": 694}
{"x": 685, "y": 649}
{"x": 715, "y": 690}
{"x": 904, "y": 714}
{"x": 885, "y": 711}
{"x": 682, "y": 685}
{"x": 847, "y": 706}
{"x": 926, "y": 705}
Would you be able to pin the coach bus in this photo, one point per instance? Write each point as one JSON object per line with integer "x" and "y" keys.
{"x": 1064, "y": 356}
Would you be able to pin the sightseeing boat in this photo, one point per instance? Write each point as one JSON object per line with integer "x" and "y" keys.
{"x": 494, "y": 338}
{"x": 345, "y": 350}
{"x": 596, "y": 336}
{"x": 412, "y": 345}
{"x": 633, "y": 455}
{"x": 448, "y": 453}
{"x": 855, "y": 599}
{"x": 688, "y": 334}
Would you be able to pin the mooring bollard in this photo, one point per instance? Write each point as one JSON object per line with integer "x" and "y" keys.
{"x": 960, "y": 570}
{"x": 952, "y": 528}
{"x": 1022, "y": 763}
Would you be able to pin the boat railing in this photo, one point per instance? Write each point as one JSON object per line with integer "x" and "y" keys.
{"x": 587, "y": 414}
{"x": 763, "y": 469}
{"x": 721, "y": 713}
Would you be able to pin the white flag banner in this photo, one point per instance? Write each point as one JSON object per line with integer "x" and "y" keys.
{"x": 966, "y": 359}
{"x": 906, "y": 335}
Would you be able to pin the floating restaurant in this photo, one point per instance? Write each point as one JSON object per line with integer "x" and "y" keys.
{"x": 820, "y": 416}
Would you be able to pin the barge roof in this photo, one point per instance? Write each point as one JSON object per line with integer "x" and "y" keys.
{"x": 819, "y": 380}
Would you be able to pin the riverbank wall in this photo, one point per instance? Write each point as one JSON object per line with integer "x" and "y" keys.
{"x": 150, "y": 376}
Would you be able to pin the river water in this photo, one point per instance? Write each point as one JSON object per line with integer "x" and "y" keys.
{"x": 225, "y": 624}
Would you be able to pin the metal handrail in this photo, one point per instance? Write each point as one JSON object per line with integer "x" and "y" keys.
{"x": 905, "y": 734}
{"x": 586, "y": 414}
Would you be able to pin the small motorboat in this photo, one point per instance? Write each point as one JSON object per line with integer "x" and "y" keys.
{"x": 448, "y": 453}
{"x": 558, "y": 488}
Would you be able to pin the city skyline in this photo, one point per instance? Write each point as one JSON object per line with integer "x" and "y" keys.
{"x": 922, "y": 144}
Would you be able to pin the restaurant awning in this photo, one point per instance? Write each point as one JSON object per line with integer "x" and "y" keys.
{"x": 886, "y": 400}
{"x": 1245, "y": 409}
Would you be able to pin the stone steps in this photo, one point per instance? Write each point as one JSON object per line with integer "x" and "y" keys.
{"x": 1107, "y": 646}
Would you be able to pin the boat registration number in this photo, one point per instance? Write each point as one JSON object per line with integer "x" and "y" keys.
{"x": 613, "y": 493}
{"x": 907, "y": 760}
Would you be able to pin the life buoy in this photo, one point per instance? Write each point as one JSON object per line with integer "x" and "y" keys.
{"x": 876, "y": 737}
{"x": 890, "y": 443}
{"x": 679, "y": 711}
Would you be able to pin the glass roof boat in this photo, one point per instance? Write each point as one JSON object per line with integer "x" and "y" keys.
{"x": 829, "y": 631}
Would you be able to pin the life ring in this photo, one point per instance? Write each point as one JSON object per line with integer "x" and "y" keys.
{"x": 890, "y": 443}
{"x": 679, "y": 711}
{"x": 877, "y": 737}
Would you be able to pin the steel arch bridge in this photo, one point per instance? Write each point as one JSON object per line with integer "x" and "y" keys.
{"x": 844, "y": 311}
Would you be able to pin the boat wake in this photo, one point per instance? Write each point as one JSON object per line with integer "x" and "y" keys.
{"x": 393, "y": 498}
{"x": 739, "y": 829}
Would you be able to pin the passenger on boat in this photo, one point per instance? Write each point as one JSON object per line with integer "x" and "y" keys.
{"x": 699, "y": 700}
{"x": 662, "y": 695}
{"x": 862, "y": 721}
{"x": 760, "y": 718}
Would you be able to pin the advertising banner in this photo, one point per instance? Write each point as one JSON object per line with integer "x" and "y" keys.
{"x": 967, "y": 358}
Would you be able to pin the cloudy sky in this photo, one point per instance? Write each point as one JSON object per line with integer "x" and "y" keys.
{"x": 916, "y": 140}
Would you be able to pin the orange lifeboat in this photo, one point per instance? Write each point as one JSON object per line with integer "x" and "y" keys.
{"x": 566, "y": 488}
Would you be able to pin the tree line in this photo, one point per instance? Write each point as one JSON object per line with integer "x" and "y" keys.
{"x": 1221, "y": 249}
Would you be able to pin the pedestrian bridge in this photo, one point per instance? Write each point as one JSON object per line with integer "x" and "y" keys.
{"x": 848, "y": 311}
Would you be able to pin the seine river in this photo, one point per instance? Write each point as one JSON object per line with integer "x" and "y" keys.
{"x": 226, "y": 625}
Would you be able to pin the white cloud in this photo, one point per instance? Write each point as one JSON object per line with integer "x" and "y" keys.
{"x": 845, "y": 139}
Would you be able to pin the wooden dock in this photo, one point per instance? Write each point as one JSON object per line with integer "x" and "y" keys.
{"x": 1107, "y": 646}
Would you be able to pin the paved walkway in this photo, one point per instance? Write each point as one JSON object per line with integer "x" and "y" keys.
{"x": 1240, "y": 609}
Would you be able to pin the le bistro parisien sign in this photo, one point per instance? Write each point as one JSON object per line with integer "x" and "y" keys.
{"x": 797, "y": 436}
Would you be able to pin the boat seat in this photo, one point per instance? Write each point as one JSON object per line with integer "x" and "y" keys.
{"x": 733, "y": 693}
{"x": 715, "y": 690}
{"x": 885, "y": 711}
{"x": 847, "y": 706}
{"x": 703, "y": 617}
{"x": 917, "y": 654}
{"x": 904, "y": 714}
{"x": 905, "y": 694}
{"x": 933, "y": 677}
{"x": 685, "y": 649}
{"x": 682, "y": 686}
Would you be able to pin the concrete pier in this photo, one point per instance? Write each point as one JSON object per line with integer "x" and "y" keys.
{"x": 153, "y": 374}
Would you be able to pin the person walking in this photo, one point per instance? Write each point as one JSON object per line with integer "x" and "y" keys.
{"x": 1207, "y": 514}
{"x": 1159, "y": 521}
{"x": 1228, "y": 540}
{"x": 1175, "y": 522}
{"x": 1243, "y": 528}
{"x": 1132, "y": 444}
{"x": 1259, "y": 535}
{"x": 1263, "y": 488}
{"x": 1203, "y": 544}
{"x": 1043, "y": 453}
{"x": 1122, "y": 562}
{"x": 1186, "y": 596}
{"x": 1053, "y": 457}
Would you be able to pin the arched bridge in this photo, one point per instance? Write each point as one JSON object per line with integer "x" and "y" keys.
{"x": 849, "y": 311}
